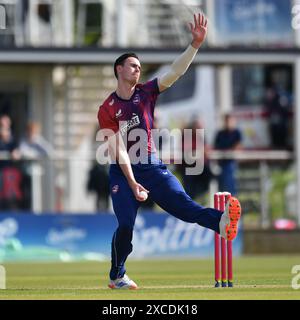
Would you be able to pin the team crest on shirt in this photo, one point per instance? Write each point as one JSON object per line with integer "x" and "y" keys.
{"x": 115, "y": 188}
{"x": 136, "y": 99}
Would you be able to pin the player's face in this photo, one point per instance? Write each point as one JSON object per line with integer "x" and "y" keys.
{"x": 131, "y": 70}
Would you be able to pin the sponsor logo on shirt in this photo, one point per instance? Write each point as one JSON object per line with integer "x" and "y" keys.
{"x": 127, "y": 125}
{"x": 119, "y": 113}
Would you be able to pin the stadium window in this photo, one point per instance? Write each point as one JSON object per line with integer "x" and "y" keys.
{"x": 44, "y": 12}
{"x": 280, "y": 76}
{"x": 248, "y": 85}
{"x": 89, "y": 22}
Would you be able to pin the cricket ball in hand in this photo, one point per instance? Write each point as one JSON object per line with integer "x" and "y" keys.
{"x": 144, "y": 195}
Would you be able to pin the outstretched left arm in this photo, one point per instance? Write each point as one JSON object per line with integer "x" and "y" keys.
{"x": 181, "y": 64}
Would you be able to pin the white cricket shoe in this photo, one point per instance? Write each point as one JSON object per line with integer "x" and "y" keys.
{"x": 230, "y": 218}
{"x": 123, "y": 283}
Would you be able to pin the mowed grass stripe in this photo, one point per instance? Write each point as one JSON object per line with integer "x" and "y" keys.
{"x": 256, "y": 277}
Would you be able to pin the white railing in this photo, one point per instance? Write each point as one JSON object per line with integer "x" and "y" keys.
{"x": 262, "y": 158}
{"x": 42, "y": 168}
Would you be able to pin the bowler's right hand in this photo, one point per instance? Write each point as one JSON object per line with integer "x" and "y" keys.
{"x": 136, "y": 189}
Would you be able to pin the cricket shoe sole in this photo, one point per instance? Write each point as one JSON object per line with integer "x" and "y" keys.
{"x": 230, "y": 218}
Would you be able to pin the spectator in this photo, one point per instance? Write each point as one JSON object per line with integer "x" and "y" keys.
{"x": 98, "y": 184}
{"x": 8, "y": 144}
{"x": 196, "y": 185}
{"x": 34, "y": 146}
{"x": 5, "y": 121}
{"x": 10, "y": 175}
{"x": 277, "y": 106}
{"x": 228, "y": 139}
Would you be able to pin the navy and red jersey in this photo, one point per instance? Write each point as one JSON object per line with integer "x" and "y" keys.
{"x": 122, "y": 115}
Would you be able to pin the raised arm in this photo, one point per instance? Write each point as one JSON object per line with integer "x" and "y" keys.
{"x": 181, "y": 64}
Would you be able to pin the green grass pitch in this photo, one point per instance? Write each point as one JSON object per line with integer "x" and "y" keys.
{"x": 255, "y": 277}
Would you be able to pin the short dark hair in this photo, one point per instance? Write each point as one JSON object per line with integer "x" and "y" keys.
{"x": 228, "y": 116}
{"x": 121, "y": 60}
